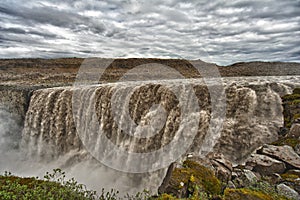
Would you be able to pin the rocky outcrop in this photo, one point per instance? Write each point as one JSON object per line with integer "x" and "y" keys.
{"x": 187, "y": 179}
{"x": 270, "y": 172}
{"x": 265, "y": 165}
{"x": 287, "y": 191}
{"x": 284, "y": 153}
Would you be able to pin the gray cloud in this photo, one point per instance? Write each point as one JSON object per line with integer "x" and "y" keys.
{"x": 218, "y": 31}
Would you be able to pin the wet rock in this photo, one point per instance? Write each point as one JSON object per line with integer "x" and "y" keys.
{"x": 287, "y": 191}
{"x": 265, "y": 165}
{"x": 283, "y": 153}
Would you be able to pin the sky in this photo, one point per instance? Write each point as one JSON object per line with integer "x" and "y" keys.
{"x": 220, "y": 31}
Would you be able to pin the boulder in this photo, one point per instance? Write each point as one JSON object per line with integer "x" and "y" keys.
{"x": 294, "y": 131}
{"x": 283, "y": 153}
{"x": 283, "y": 131}
{"x": 264, "y": 165}
{"x": 182, "y": 180}
{"x": 222, "y": 167}
{"x": 297, "y": 149}
{"x": 244, "y": 178}
{"x": 216, "y": 162}
{"x": 285, "y": 190}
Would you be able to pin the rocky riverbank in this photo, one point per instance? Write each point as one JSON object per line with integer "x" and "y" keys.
{"x": 271, "y": 172}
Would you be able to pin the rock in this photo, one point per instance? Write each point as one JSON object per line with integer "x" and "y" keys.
{"x": 181, "y": 181}
{"x": 273, "y": 179}
{"x": 265, "y": 165}
{"x": 162, "y": 188}
{"x": 222, "y": 167}
{"x": 250, "y": 176}
{"x": 297, "y": 149}
{"x": 220, "y": 158}
{"x": 244, "y": 178}
{"x": 245, "y": 194}
{"x": 292, "y": 179}
{"x": 285, "y": 190}
{"x": 294, "y": 171}
{"x": 284, "y": 153}
{"x": 283, "y": 131}
{"x": 216, "y": 162}
{"x": 231, "y": 185}
{"x": 294, "y": 131}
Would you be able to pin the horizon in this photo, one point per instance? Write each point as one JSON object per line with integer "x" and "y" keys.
{"x": 217, "y": 32}
{"x": 124, "y": 58}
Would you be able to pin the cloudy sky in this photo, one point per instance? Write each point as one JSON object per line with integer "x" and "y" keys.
{"x": 219, "y": 31}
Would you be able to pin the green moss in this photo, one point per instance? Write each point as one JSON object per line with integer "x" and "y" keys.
{"x": 295, "y": 102}
{"x": 290, "y": 97}
{"x": 296, "y": 91}
{"x": 165, "y": 197}
{"x": 248, "y": 194}
{"x": 290, "y": 177}
{"x": 287, "y": 141}
{"x": 195, "y": 175}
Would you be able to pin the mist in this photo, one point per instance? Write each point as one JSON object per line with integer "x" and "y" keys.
{"x": 86, "y": 170}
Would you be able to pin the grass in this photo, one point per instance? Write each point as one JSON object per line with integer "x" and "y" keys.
{"x": 55, "y": 187}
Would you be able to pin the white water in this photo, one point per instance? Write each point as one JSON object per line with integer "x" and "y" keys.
{"x": 49, "y": 139}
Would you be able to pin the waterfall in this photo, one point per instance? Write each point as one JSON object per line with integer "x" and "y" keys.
{"x": 144, "y": 126}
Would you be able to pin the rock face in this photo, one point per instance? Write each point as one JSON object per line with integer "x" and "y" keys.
{"x": 291, "y": 105}
{"x": 294, "y": 131}
{"x": 271, "y": 172}
{"x": 15, "y": 100}
{"x": 265, "y": 165}
{"x": 287, "y": 191}
{"x": 284, "y": 153}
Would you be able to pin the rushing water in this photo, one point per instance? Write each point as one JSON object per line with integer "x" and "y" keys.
{"x": 160, "y": 122}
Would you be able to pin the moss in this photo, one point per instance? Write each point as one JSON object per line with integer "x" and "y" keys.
{"x": 166, "y": 197}
{"x": 290, "y": 177}
{"x": 296, "y": 91}
{"x": 196, "y": 177}
{"x": 290, "y": 97}
{"x": 287, "y": 141}
{"x": 296, "y": 116}
{"x": 295, "y": 102}
{"x": 248, "y": 194}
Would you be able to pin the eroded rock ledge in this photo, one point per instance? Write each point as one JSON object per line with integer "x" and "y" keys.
{"x": 272, "y": 171}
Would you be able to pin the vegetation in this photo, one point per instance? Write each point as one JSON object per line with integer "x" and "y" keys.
{"x": 287, "y": 141}
{"x": 54, "y": 187}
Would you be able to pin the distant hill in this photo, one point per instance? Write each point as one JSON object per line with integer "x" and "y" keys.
{"x": 62, "y": 71}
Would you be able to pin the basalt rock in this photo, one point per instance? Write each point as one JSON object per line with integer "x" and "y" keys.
{"x": 284, "y": 153}
{"x": 265, "y": 165}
